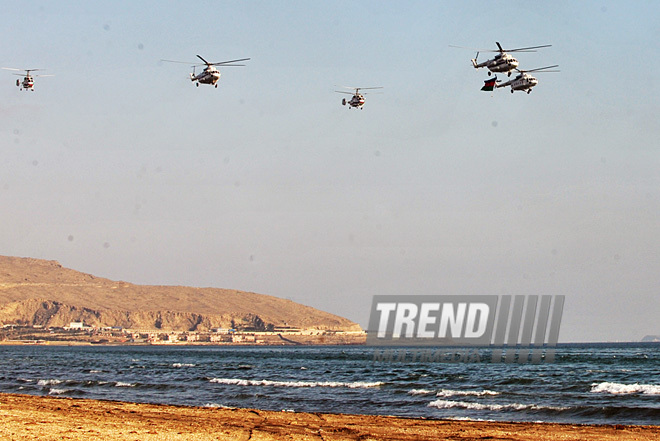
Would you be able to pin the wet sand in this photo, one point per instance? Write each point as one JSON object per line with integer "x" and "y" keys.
{"x": 27, "y": 417}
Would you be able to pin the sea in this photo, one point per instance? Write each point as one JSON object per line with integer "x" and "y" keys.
{"x": 586, "y": 383}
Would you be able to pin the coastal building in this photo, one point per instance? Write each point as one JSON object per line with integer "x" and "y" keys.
{"x": 78, "y": 326}
{"x": 244, "y": 338}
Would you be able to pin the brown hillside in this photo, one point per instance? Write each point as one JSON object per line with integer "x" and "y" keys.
{"x": 42, "y": 292}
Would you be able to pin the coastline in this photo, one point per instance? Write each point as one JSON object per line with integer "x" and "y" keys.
{"x": 48, "y": 418}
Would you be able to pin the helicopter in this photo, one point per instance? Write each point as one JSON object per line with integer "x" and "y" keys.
{"x": 523, "y": 81}
{"x": 502, "y": 62}
{"x": 211, "y": 74}
{"x": 357, "y": 100}
{"x": 28, "y": 80}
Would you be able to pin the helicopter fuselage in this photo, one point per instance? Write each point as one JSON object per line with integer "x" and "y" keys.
{"x": 500, "y": 63}
{"x": 356, "y": 101}
{"x": 523, "y": 81}
{"x": 27, "y": 83}
{"x": 210, "y": 75}
{"x": 357, "y": 98}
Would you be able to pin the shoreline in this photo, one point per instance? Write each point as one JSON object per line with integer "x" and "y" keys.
{"x": 43, "y": 418}
{"x": 165, "y": 344}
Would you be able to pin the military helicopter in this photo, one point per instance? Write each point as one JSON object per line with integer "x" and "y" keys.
{"x": 523, "y": 81}
{"x": 502, "y": 62}
{"x": 211, "y": 74}
{"x": 28, "y": 80}
{"x": 357, "y": 100}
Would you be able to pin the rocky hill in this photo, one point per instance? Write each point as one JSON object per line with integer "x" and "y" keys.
{"x": 42, "y": 292}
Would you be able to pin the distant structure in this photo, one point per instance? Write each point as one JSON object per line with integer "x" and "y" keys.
{"x": 78, "y": 326}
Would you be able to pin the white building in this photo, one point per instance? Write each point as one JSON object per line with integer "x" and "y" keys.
{"x": 77, "y": 326}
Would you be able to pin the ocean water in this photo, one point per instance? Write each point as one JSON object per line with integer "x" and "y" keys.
{"x": 595, "y": 384}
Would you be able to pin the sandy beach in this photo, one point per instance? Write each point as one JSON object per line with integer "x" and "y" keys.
{"x": 45, "y": 418}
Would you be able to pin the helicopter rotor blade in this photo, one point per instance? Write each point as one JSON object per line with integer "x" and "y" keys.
{"x": 356, "y": 89}
{"x": 474, "y": 49}
{"x": 502, "y": 50}
{"x": 226, "y": 63}
{"x": 527, "y": 49}
{"x": 21, "y": 70}
{"x": 541, "y": 68}
{"x": 206, "y": 62}
{"x": 222, "y": 63}
{"x": 182, "y": 62}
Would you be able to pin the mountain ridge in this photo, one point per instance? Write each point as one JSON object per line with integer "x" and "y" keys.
{"x": 44, "y": 293}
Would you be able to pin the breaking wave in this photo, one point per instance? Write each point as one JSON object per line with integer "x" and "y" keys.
{"x": 48, "y": 382}
{"x": 420, "y": 392}
{"x": 56, "y": 391}
{"x": 447, "y": 404}
{"x": 464, "y": 393}
{"x": 351, "y": 385}
{"x": 217, "y": 406}
{"x": 623, "y": 389}
{"x": 453, "y": 393}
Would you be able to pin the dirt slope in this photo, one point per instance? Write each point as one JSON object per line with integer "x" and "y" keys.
{"x": 42, "y": 292}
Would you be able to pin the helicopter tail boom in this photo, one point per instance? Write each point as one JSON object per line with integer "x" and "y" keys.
{"x": 474, "y": 60}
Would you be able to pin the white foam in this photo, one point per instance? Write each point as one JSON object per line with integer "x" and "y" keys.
{"x": 464, "y": 393}
{"x": 55, "y": 391}
{"x": 48, "y": 382}
{"x": 177, "y": 365}
{"x": 447, "y": 404}
{"x": 242, "y": 382}
{"x": 419, "y": 392}
{"x": 122, "y": 384}
{"x": 217, "y": 406}
{"x": 621, "y": 389}
{"x": 458, "y": 418}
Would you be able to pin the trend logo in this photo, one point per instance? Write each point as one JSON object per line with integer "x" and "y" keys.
{"x": 516, "y": 328}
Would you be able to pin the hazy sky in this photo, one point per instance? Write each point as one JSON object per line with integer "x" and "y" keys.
{"x": 120, "y": 167}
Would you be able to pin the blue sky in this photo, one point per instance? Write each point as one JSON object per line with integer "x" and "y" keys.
{"x": 118, "y": 166}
